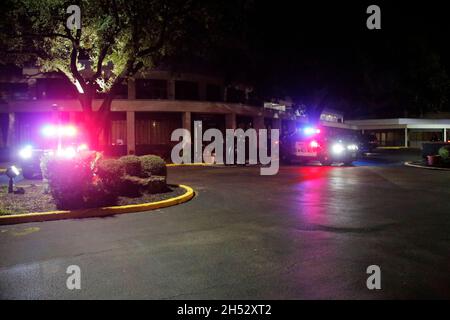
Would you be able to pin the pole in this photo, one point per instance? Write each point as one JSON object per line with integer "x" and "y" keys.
{"x": 406, "y": 137}
{"x": 11, "y": 185}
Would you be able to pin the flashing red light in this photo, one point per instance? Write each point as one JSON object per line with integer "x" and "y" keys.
{"x": 314, "y": 144}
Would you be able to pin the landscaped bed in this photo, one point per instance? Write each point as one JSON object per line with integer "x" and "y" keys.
{"x": 87, "y": 180}
{"x": 35, "y": 200}
{"x": 439, "y": 160}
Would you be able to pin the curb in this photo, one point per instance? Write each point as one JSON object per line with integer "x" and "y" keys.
{"x": 97, "y": 212}
{"x": 411, "y": 164}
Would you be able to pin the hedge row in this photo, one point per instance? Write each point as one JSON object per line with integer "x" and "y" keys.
{"x": 89, "y": 180}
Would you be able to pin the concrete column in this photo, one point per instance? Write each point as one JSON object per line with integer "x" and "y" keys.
{"x": 230, "y": 121}
{"x": 11, "y": 135}
{"x": 406, "y": 137}
{"x": 32, "y": 89}
{"x": 202, "y": 91}
{"x": 131, "y": 132}
{"x": 171, "y": 89}
{"x": 131, "y": 88}
{"x": 225, "y": 94}
{"x": 186, "y": 120}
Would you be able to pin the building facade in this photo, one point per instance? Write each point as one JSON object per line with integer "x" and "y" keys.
{"x": 149, "y": 107}
{"x": 145, "y": 111}
{"x": 404, "y": 132}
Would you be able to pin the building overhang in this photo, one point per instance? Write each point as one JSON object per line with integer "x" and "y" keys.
{"x": 400, "y": 123}
{"x": 138, "y": 105}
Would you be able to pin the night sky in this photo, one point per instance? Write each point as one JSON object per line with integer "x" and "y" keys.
{"x": 306, "y": 49}
{"x": 301, "y": 46}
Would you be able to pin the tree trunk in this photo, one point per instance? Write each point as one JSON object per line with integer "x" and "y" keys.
{"x": 90, "y": 124}
{"x": 94, "y": 122}
{"x": 91, "y": 131}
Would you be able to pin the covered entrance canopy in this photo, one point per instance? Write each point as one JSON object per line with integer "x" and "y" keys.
{"x": 407, "y": 132}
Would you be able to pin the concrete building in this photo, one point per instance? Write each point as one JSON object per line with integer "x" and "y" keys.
{"x": 145, "y": 111}
{"x": 405, "y": 132}
{"x": 150, "y": 106}
{"x": 395, "y": 132}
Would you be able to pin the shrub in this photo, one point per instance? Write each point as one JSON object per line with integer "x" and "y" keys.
{"x": 153, "y": 166}
{"x": 157, "y": 184}
{"x": 444, "y": 152}
{"x": 69, "y": 180}
{"x": 133, "y": 186}
{"x": 132, "y": 165}
{"x": 89, "y": 181}
{"x": 100, "y": 195}
{"x": 111, "y": 173}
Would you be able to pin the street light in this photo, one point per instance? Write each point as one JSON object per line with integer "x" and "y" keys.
{"x": 12, "y": 172}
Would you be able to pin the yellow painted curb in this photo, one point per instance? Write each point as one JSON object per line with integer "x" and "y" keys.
{"x": 97, "y": 212}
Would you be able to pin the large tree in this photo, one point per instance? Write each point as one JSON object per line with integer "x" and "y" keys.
{"x": 117, "y": 39}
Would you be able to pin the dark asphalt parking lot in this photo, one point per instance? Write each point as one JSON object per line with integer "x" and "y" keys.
{"x": 309, "y": 232}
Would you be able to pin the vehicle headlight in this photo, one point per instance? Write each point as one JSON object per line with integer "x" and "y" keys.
{"x": 26, "y": 152}
{"x": 352, "y": 147}
{"x": 337, "y": 148}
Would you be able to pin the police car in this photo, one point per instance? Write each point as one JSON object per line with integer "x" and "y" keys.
{"x": 316, "y": 144}
{"x": 61, "y": 140}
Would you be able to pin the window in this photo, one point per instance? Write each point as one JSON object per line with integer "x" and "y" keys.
{"x": 213, "y": 93}
{"x": 186, "y": 90}
{"x": 235, "y": 95}
{"x": 118, "y": 129}
{"x": 13, "y": 91}
{"x": 55, "y": 88}
{"x": 155, "y": 128}
{"x": 151, "y": 89}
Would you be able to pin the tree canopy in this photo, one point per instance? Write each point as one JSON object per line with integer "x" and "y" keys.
{"x": 117, "y": 39}
{"x": 320, "y": 56}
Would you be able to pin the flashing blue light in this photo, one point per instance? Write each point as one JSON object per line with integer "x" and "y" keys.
{"x": 310, "y": 131}
{"x": 26, "y": 152}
